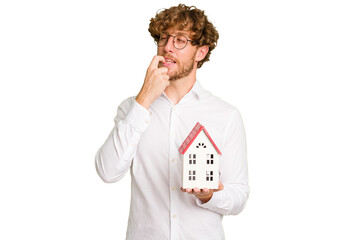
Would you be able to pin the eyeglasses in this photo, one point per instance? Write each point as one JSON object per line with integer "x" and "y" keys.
{"x": 179, "y": 41}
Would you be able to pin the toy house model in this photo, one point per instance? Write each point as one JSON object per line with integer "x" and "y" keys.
{"x": 200, "y": 157}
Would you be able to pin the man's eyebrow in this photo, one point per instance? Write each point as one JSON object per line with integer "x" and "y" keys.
{"x": 177, "y": 32}
{"x": 182, "y": 32}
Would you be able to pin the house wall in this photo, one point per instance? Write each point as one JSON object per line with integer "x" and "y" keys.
{"x": 201, "y": 165}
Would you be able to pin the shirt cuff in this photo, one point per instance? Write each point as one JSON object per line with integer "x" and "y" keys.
{"x": 138, "y": 117}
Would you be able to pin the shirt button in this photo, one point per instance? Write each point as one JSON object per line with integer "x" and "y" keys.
{"x": 174, "y": 215}
{"x": 146, "y": 121}
{"x": 173, "y": 189}
{"x": 173, "y": 160}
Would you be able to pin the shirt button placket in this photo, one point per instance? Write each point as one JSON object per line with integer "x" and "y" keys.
{"x": 172, "y": 169}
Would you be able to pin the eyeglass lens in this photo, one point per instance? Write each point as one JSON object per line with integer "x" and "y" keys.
{"x": 179, "y": 41}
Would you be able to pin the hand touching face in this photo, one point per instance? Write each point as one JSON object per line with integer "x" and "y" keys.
{"x": 155, "y": 83}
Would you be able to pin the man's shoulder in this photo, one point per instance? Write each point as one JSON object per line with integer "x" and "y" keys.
{"x": 219, "y": 103}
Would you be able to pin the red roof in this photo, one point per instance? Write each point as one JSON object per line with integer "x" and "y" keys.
{"x": 193, "y": 135}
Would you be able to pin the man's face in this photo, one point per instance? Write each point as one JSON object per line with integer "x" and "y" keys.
{"x": 180, "y": 63}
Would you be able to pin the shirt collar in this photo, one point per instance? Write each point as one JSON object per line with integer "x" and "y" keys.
{"x": 198, "y": 90}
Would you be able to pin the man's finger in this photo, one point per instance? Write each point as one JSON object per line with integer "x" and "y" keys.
{"x": 205, "y": 190}
{"x": 162, "y": 70}
{"x": 156, "y": 60}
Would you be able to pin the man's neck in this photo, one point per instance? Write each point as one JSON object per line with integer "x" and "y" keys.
{"x": 180, "y": 87}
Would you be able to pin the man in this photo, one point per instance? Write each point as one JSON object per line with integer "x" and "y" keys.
{"x": 150, "y": 128}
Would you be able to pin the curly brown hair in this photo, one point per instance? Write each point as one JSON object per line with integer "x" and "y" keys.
{"x": 188, "y": 18}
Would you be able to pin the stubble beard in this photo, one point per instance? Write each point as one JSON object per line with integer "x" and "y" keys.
{"x": 183, "y": 71}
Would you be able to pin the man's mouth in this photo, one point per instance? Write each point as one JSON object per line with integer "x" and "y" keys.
{"x": 168, "y": 60}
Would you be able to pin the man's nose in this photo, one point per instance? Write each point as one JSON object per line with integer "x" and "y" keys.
{"x": 169, "y": 45}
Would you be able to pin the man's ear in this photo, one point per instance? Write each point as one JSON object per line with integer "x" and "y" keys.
{"x": 201, "y": 53}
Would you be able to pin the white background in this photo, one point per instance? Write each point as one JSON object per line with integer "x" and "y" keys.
{"x": 290, "y": 67}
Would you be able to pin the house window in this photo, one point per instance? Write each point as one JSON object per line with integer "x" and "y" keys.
{"x": 210, "y": 158}
{"x": 192, "y": 175}
{"x": 201, "y": 145}
{"x": 192, "y": 159}
{"x": 209, "y": 175}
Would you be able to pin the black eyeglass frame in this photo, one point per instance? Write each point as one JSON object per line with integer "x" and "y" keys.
{"x": 174, "y": 37}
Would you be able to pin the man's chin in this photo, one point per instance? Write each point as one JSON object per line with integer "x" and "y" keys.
{"x": 174, "y": 77}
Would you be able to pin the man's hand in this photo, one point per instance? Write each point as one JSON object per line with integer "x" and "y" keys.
{"x": 204, "y": 194}
{"x": 155, "y": 83}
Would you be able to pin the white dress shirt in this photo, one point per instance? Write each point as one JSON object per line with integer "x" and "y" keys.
{"x": 147, "y": 143}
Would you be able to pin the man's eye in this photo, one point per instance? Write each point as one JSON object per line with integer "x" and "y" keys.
{"x": 180, "y": 40}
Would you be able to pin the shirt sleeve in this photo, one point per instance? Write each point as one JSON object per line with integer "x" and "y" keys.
{"x": 115, "y": 156}
{"x": 234, "y": 171}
